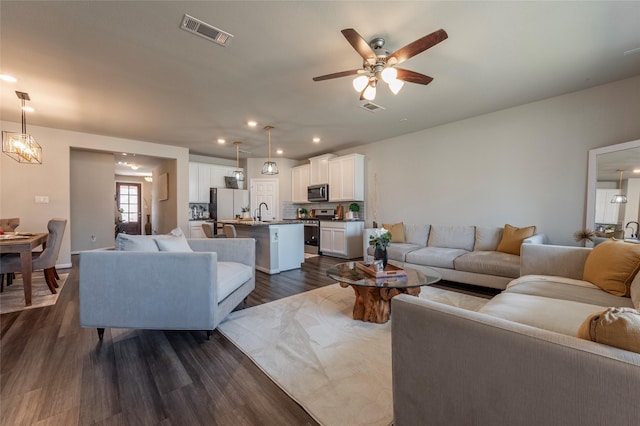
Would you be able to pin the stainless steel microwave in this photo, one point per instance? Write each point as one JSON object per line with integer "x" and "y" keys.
{"x": 318, "y": 192}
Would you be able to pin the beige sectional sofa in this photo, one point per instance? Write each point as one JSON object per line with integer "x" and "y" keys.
{"x": 518, "y": 360}
{"x": 465, "y": 254}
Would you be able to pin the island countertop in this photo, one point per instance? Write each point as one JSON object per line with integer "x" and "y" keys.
{"x": 260, "y": 223}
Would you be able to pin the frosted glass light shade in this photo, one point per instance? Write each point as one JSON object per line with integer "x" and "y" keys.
{"x": 369, "y": 93}
{"x": 389, "y": 74}
{"x": 22, "y": 147}
{"x": 359, "y": 83}
{"x": 395, "y": 86}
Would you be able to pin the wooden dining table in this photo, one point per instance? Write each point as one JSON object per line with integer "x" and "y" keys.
{"x": 23, "y": 245}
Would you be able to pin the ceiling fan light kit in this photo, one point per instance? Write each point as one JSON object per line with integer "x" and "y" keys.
{"x": 379, "y": 64}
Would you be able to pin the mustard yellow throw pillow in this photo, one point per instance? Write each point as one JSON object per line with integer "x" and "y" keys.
{"x": 612, "y": 265}
{"x": 512, "y": 238}
{"x": 617, "y": 327}
{"x": 397, "y": 232}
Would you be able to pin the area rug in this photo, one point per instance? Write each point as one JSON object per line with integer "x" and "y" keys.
{"x": 12, "y": 298}
{"x": 337, "y": 369}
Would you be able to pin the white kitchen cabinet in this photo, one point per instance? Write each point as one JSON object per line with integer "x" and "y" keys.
{"x": 319, "y": 169}
{"x": 203, "y": 177}
{"x": 341, "y": 239}
{"x": 346, "y": 178}
{"x": 606, "y": 211}
{"x": 299, "y": 183}
{"x": 194, "y": 185}
{"x": 195, "y": 229}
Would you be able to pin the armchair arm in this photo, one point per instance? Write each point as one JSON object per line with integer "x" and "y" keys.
{"x": 562, "y": 261}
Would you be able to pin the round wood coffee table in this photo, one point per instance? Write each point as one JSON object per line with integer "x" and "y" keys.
{"x": 373, "y": 295}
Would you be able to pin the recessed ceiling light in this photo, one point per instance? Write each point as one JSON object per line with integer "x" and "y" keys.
{"x": 221, "y": 141}
{"x": 636, "y": 170}
{"x": 135, "y": 166}
{"x": 278, "y": 151}
{"x": 316, "y": 139}
{"x": 8, "y": 78}
{"x": 252, "y": 123}
{"x": 124, "y": 153}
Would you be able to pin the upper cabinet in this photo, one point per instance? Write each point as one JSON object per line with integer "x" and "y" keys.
{"x": 319, "y": 169}
{"x": 299, "y": 183}
{"x": 203, "y": 176}
{"x": 606, "y": 211}
{"x": 346, "y": 178}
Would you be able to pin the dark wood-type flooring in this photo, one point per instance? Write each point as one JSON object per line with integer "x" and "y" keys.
{"x": 52, "y": 372}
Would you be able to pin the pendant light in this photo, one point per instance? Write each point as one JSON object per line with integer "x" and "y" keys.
{"x": 238, "y": 173}
{"x": 269, "y": 167}
{"x": 619, "y": 198}
{"x": 22, "y": 147}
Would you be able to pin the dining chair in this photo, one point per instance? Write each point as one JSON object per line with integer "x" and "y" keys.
{"x": 207, "y": 227}
{"x": 44, "y": 260}
{"x": 9, "y": 225}
{"x": 230, "y": 231}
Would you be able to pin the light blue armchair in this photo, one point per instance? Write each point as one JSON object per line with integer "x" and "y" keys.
{"x": 166, "y": 290}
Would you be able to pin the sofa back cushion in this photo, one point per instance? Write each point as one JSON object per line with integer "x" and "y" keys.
{"x": 416, "y": 234}
{"x": 487, "y": 238}
{"x": 457, "y": 237}
{"x": 617, "y": 327}
{"x": 612, "y": 266}
{"x": 512, "y": 238}
{"x": 128, "y": 242}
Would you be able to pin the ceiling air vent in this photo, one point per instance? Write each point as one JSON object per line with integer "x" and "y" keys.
{"x": 370, "y": 106}
{"x": 211, "y": 33}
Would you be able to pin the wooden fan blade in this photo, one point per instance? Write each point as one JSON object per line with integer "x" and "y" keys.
{"x": 360, "y": 45}
{"x": 418, "y": 46}
{"x": 336, "y": 75}
{"x": 413, "y": 77}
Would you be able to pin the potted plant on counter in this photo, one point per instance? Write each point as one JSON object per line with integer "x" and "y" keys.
{"x": 246, "y": 213}
{"x": 354, "y": 208}
{"x": 302, "y": 213}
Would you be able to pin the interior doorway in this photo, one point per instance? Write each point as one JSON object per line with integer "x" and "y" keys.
{"x": 128, "y": 196}
{"x": 265, "y": 191}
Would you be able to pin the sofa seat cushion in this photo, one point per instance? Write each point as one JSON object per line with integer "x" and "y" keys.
{"x": 397, "y": 251}
{"x": 231, "y": 275}
{"x": 489, "y": 263}
{"x": 439, "y": 257}
{"x": 566, "y": 289}
{"x": 560, "y": 316}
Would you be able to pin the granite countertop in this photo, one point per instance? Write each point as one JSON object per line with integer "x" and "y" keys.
{"x": 341, "y": 220}
{"x": 258, "y": 223}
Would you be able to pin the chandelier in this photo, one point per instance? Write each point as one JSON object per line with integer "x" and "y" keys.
{"x": 269, "y": 167}
{"x": 22, "y": 147}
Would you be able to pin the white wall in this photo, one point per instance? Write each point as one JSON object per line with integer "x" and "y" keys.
{"x": 20, "y": 183}
{"x": 92, "y": 206}
{"x": 523, "y": 166}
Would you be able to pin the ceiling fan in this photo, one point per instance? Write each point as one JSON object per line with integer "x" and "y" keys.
{"x": 380, "y": 64}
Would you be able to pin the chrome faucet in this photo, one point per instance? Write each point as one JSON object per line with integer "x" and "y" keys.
{"x": 637, "y": 228}
{"x": 260, "y": 210}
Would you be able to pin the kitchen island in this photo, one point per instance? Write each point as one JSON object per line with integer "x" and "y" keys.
{"x": 279, "y": 243}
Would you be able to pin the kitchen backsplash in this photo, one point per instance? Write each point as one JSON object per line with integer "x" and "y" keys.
{"x": 290, "y": 210}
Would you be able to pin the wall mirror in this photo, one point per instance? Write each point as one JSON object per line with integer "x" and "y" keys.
{"x": 610, "y": 174}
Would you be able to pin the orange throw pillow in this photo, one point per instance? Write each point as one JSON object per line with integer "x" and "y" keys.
{"x": 612, "y": 265}
{"x": 397, "y": 232}
{"x": 512, "y": 238}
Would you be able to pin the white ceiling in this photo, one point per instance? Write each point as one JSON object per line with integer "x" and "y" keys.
{"x": 126, "y": 69}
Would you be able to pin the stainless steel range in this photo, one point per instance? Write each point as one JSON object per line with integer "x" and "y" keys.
{"x": 312, "y": 230}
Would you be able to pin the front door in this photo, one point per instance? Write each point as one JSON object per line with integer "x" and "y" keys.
{"x": 265, "y": 191}
{"x": 129, "y": 197}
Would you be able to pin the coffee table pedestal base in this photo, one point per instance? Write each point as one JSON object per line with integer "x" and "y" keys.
{"x": 373, "y": 304}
